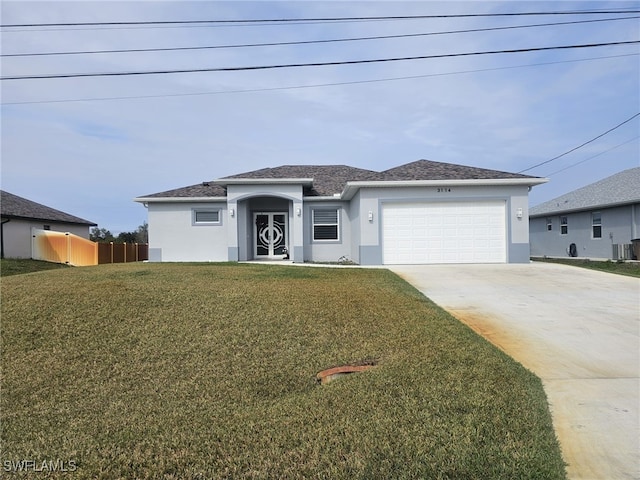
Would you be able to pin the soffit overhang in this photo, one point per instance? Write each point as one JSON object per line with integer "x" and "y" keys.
{"x": 352, "y": 187}
{"x": 180, "y": 199}
{"x": 306, "y": 182}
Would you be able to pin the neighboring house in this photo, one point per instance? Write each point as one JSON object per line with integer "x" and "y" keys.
{"x": 589, "y": 221}
{"x": 421, "y": 212}
{"x": 19, "y": 216}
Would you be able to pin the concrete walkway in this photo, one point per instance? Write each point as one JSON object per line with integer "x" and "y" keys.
{"x": 578, "y": 330}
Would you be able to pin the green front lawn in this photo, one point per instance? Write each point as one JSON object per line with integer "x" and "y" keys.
{"x": 208, "y": 371}
{"x": 631, "y": 269}
{"x": 16, "y": 266}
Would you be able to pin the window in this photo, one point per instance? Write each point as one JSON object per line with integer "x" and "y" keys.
{"x": 325, "y": 225}
{"x": 206, "y": 217}
{"x": 549, "y": 224}
{"x": 564, "y": 226}
{"x": 596, "y": 225}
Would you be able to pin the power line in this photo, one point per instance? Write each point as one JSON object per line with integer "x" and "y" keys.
{"x": 317, "y": 85}
{"x": 580, "y": 146}
{"x": 294, "y": 87}
{"x": 307, "y": 42}
{"x": 318, "y": 19}
{"x": 594, "y": 156}
{"x": 318, "y": 64}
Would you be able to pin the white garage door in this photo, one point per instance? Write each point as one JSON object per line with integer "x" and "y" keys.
{"x": 444, "y": 232}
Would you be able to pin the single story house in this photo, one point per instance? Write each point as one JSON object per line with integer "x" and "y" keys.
{"x": 591, "y": 221}
{"x": 421, "y": 212}
{"x": 19, "y": 216}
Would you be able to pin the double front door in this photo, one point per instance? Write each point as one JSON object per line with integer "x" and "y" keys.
{"x": 270, "y": 235}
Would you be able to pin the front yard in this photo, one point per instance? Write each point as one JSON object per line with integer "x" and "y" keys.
{"x": 208, "y": 371}
{"x": 631, "y": 269}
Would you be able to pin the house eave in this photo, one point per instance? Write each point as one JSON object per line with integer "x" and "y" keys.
{"x": 349, "y": 190}
{"x": 584, "y": 208}
{"x": 325, "y": 198}
{"x": 352, "y": 187}
{"x": 49, "y": 220}
{"x": 179, "y": 199}
{"x": 264, "y": 181}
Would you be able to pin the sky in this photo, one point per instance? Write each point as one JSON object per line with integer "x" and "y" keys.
{"x": 89, "y": 145}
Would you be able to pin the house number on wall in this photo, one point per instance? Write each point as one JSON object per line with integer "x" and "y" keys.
{"x": 443, "y": 189}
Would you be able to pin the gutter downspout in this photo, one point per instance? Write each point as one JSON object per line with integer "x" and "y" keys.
{"x": 2, "y": 236}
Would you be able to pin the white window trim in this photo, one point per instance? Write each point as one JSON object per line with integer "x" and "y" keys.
{"x": 337, "y": 224}
{"x": 549, "y": 223}
{"x": 566, "y": 224}
{"x": 195, "y": 211}
{"x": 593, "y": 237}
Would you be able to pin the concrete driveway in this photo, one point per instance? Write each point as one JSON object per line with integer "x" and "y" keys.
{"x": 578, "y": 330}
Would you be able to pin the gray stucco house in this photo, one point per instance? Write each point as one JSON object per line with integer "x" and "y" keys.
{"x": 591, "y": 221}
{"x": 20, "y": 215}
{"x": 421, "y": 212}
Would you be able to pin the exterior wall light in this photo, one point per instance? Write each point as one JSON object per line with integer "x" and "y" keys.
{"x": 298, "y": 211}
{"x": 232, "y": 212}
{"x": 370, "y": 216}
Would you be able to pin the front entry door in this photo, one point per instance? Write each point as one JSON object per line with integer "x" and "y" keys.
{"x": 270, "y": 235}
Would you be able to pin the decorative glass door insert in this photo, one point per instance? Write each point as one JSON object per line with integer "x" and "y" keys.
{"x": 270, "y": 235}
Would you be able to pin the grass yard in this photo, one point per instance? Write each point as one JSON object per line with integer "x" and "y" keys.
{"x": 17, "y": 266}
{"x": 631, "y": 269}
{"x": 194, "y": 371}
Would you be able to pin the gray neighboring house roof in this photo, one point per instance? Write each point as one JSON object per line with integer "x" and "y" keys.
{"x": 13, "y": 206}
{"x": 328, "y": 180}
{"x": 620, "y": 189}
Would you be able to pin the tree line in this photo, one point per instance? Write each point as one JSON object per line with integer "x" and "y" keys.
{"x": 139, "y": 235}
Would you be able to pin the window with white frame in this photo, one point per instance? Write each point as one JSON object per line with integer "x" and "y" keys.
{"x": 208, "y": 216}
{"x": 564, "y": 225}
{"x": 326, "y": 224}
{"x": 596, "y": 225}
{"x": 549, "y": 224}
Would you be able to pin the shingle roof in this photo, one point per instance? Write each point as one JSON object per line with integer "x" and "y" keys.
{"x": 619, "y": 189}
{"x": 429, "y": 170}
{"x": 13, "y": 206}
{"x": 204, "y": 189}
{"x": 332, "y": 179}
{"x": 327, "y": 179}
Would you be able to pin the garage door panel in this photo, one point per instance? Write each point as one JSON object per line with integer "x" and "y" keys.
{"x": 444, "y": 232}
{"x": 466, "y": 244}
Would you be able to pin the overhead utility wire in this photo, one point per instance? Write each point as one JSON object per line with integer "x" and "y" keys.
{"x": 316, "y": 85}
{"x": 592, "y": 157}
{"x": 319, "y": 19}
{"x": 306, "y": 42}
{"x": 580, "y": 146}
{"x": 319, "y": 64}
